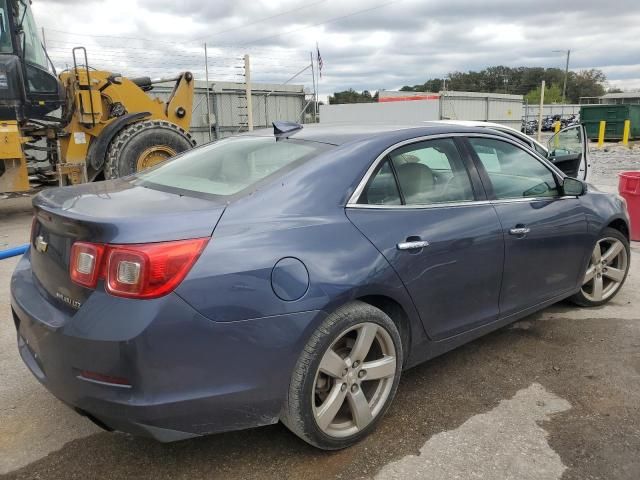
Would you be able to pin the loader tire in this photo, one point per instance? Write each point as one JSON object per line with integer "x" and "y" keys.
{"x": 144, "y": 144}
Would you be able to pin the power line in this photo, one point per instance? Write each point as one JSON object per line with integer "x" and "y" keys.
{"x": 60, "y": 49}
{"x": 173, "y": 43}
{"x": 75, "y": 34}
{"x": 324, "y": 22}
{"x": 263, "y": 20}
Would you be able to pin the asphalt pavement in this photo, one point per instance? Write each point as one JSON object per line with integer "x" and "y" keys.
{"x": 556, "y": 395}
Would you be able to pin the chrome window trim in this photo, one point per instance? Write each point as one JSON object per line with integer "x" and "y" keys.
{"x": 531, "y": 199}
{"x": 353, "y": 199}
{"x": 470, "y": 203}
{"x": 514, "y": 134}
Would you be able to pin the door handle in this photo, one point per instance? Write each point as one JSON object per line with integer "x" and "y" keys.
{"x": 413, "y": 245}
{"x": 519, "y": 231}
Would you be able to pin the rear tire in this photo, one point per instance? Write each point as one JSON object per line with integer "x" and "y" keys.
{"x": 340, "y": 387}
{"x": 144, "y": 144}
{"x": 607, "y": 270}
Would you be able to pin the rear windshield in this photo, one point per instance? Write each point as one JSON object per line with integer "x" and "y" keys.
{"x": 231, "y": 165}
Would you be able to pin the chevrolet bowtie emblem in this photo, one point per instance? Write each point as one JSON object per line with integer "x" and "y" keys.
{"x": 41, "y": 245}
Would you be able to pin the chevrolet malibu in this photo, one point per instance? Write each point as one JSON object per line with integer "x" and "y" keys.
{"x": 293, "y": 275}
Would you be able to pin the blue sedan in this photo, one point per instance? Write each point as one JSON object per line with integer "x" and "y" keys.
{"x": 293, "y": 275}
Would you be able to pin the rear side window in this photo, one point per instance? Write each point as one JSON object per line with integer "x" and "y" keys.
{"x": 423, "y": 173}
{"x": 231, "y": 165}
{"x": 382, "y": 188}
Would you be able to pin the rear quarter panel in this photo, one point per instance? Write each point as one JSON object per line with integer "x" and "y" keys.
{"x": 232, "y": 279}
{"x": 301, "y": 215}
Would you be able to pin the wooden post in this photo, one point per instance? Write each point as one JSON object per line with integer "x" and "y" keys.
{"x": 540, "y": 112}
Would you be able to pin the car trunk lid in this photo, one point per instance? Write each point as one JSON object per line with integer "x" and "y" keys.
{"x": 115, "y": 212}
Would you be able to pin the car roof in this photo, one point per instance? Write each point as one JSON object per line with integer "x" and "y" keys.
{"x": 483, "y": 124}
{"x": 342, "y": 133}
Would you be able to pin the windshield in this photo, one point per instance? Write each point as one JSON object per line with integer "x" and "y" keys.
{"x": 33, "y": 50}
{"x": 6, "y": 46}
{"x": 230, "y": 165}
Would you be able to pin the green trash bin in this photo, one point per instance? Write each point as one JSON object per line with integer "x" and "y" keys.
{"x": 614, "y": 115}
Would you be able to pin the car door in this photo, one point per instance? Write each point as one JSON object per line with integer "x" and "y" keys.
{"x": 569, "y": 151}
{"x": 544, "y": 230}
{"x": 427, "y": 214}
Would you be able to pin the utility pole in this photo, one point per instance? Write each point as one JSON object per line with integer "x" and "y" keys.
{"x": 566, "y": 72}
{"x": 540, "y": 112}
{"x": 317, "y": 73}
{"x": 247, "y": 79}
{"x": 315, "y": 91}
{"x": 206, "y": 76}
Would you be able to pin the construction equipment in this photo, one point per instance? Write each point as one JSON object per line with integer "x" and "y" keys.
{"x": 83, "y": 124}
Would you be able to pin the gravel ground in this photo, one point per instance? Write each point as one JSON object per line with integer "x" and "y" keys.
{"x": 611, "y": 159}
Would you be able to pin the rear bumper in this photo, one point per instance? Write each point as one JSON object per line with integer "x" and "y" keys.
{"x": 188, "y": 375}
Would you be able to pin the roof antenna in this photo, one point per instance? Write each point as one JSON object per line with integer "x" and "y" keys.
{"x": 283, "y": 129}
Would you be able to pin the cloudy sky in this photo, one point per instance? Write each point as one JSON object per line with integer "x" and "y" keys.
{"x": 365, "y": 44}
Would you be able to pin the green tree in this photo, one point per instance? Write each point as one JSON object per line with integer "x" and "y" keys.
{"x": 352, "y": 96}
{"x": 433, "y": 85}
{"x": 552, "y": 94}
{"x": 585, "y": 83}
{"x": 503, "y": 79}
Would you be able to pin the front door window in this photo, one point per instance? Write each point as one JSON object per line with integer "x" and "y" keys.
{"x": 513, "y": 172}
{"x": 33, "y": 50}
{"x": 568, "y": 151}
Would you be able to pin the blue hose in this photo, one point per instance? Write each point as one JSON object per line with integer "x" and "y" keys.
{"x": 12, "y": 252}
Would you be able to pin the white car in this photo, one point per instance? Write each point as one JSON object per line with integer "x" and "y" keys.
{"x": 564, "y": 149}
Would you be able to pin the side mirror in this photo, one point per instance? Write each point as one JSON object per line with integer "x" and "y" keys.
{"x": 573, "y": 187}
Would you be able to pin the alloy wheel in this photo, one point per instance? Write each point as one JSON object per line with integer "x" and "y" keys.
{"x": 607, "y": 270}
{"x": 354, "y": 380}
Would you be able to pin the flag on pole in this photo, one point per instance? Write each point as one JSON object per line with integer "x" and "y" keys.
{"x": 319, "y": 57}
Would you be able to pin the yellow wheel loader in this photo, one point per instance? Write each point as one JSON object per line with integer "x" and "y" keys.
{"x": 83, "y": 124}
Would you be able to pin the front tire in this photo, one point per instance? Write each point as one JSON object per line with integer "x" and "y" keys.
{"x": 144, "y": 144}
{"x": 345, "y": 378}
{"x": 607, "y": 270}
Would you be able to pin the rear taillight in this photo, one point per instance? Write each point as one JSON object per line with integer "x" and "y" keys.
{"x": 86, "y": 259}
{"x": 137, "y": 271}
{"x": 150, "y": 270}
